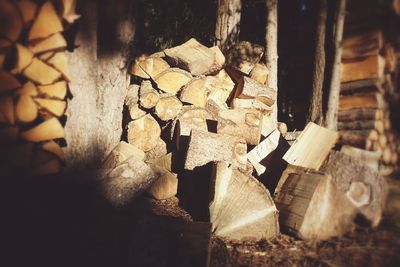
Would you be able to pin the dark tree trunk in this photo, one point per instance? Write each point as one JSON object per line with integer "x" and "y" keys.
{"x": 227, "y": 27}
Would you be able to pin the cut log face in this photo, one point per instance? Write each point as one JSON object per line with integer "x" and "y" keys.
{"x": 249, "y": 88}
{"x": 249, "y": 103}
{"x": 172, "y": 80}
{"x": 51, "y": 43}
{"x": 7, "y": 109}
{"x": 243, "y": 56}
{"x": 241, "y": 208}
{"x": 136, "y": 70}
{"x": 346, "y": 170}
{"x": 219, "y": 89}
{"x": 193, "y": 57}
{"x": 46, "y": 23}
{"x": 26, "y": 109}
{"x": 164, "y": 162}
{"x": 54, "y": 148}
{"x": 120, "y": 153}
{"x": 259, "y": 73}
{"x": 195, "y": 93}
{"x": 152, "y": 67}
{"x": 205, "y": 147}
{"x": 60, "y": 62}
{"x": 219, "y": 59}
{"x": 131, "y": 100}
{"x": 165, "y": 186}
{"x": 312, "y": 147}
{"x": 8, "y": 81}
{"x": 361, "y": 101}
{"x": 55, "y": 107}
{"x": 168, "y": 107}
{"x": 28, "y": 10}
{"x": 311, "y": 207}
{"x": 148, "y": 95}
{"x": 371, "y": 67}
{"x": 56, "y": 90}
{"x": 11, "y": 21}
{"x": 158, "y": 151}
{"x": 27, "y": 89}
{"x": 23, "y": 58}
{"x": 144, "y": 133}
{"x": 243, "y": 123}
{"x": 41, "y": 73}
{"x": 46, "y": 55}
{"x": 47, "y": 130}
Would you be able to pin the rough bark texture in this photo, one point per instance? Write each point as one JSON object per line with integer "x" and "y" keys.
{"x": 334, "y": 90}
{"x": 99, "y": 82}
{"x": 271, "y": 49}
{"x": 227, "y": 27}
{"x": 315, "y": 113}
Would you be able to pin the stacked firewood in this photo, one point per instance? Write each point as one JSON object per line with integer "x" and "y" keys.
{"x": 368, "y": 90}
{"x": 34, "y": 80}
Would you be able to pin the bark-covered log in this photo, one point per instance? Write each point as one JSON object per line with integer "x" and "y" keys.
{"x": 227, "y": 26}
{"x": 360, "y": 114}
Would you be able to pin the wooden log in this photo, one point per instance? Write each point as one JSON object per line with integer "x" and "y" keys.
{"x": 193, "y": 57}
{"x": 47, "y": 130}
{"x": 168, "y": 107}
{"x": 56, "y": 90}
{"x": 26, "y": 109}
{"x": 54, "y": 148}
{"x": 361, "y": 125}
{"x": 195, "y": 92}
{"x": 360, "y": 114}
{"x": 259, "y": 73}
{"x": 8, "y": 81}
{"x": 164, "y": 161}
{"x": 23, "y": 58}
{"x": 7, "y": 109}
{"x": 164, "y": 187}
{"x": 46, "y": 23}
{"x": 387, "y": 155}
{"x": 132, "y": 102}
{"x": 220, "y": 89}
{"x": 227, "y": 26}
{"x": 358, "y": 138}
{"x": 249, "y": 88}
{"x": 382, "y": 140}
{"x": 27, "y": 89}
{"x": 268, "y": 125}
{"x": 371, "y": 67}
{"x": 60, "y": 62}
{"x": 205, "y": 147}
{"x": 311, "y": 147}
{"x": 367, "y": 85}
{"x": 12, "y": 24}
{"x": 69, "y": 11}
{"x": 41, "y": 73}
{"x": 364, "y": 44}
{"x": 243, "y": 123}
{"x": 241, "y": 208}
{"x": 243, "y": 56}
{"x": 282, "y": 128}
{"x": 46, "y": 55}
{"x": 149, "y": 67}
{"x": 28, "y": 10}
{"x": 172, "y": 80}
{"x": 239, "y": 103}
{"x": 346, "y": 170}
{"x": 120, "y": 153}
{"x": 144, "y": 132}
{"x": 54, "y": 106}
{"x": 311, "y": 207}
{"x": 148, "y": 96}
{"x": 52, "y": 43}
{"x": 369, "y": 158}
{"x": 362, "y": 101}
{"x": 262, "y": 150}
{"x": 159, "y": 150}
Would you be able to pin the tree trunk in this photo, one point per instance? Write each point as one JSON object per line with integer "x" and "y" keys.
{"x": 227, "y": 27}
{"x": 271, "y": 50}
{"x": 99, "y": 82}
{"x": 315, "y": 113}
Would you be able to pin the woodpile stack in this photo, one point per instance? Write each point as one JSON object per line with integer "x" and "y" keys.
{"x": 369, "y": 88}
{"x": 34, "y": 80}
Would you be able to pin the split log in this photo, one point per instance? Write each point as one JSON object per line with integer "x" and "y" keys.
{"x": 12, "y": 24}
{"x": 46, "y": 55}
{"x": 346, "y": 170}
{"x": 219, "y": 88}
{"x": 69, "y": 11}
{"x": 26, "y": 109}
{"x": 60, "y": 62}
{"x": 241, "y": 123}
{"x": 239, "y": 103}
{"x": 268, "y": 125}
{"x": 361, "y": 45}
{"x": 362, "y": 101}
{"x": 56, "y": 90}
{"x": 164, "y": 161}
{"x": 362, "y": 125}
{"x": 243, "y": 56}
{"x": 367, "y": 85}
{"x": 149, "y": 67}
{"x": 159, "y": 150}
{"x": 120, "y": 153}
{"x": 193, "y": 57}
{"x": 27, "y": 89}
{"x": 168, "y": 107}
{"x": 132, "y": 101}
{"x": 136, "y": 70}
{"x": 360, "y": 114}
{"x": 148, "y": 96}
{"x": 311, "y": 147}
{"x": 24, "y": 58}
{"x": 292, "y": 136}
{"x": 172, "y": 80}
{"x": 28, "y": 10}
{"x": 205, "y": 147}
{"x": 8, "y": 81}
{"x": 166, "y": 186}
{"x": 359, "y": 138}
{"x": 144, "y": 132}
{"x": 55, "y": 107}
{"x": 262, "y": 150}
{"x": 7, "y": 109}
{"x": 41, "y": 73}
{"x": 369, "y": 158}
{"x": 54, "y": 148}
{"x": 311, "y": 207}
{"x": 52, "y": 43}
{"x": 47, "y": 130}
{"x": 259, "y": 73}
{"x": 46, "y": 23}
{"x": 195, "y": 92}
{"x": 241, "y": 208}
{"x": 371, "y": 67}
{"x": 249, "y": 88}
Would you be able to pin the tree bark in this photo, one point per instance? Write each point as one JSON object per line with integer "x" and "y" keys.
{"x": 227, "y": 27}
{"x": 271, "y": 50}
{"x": 334, "y": 90}
{"x": 315, "y": 113}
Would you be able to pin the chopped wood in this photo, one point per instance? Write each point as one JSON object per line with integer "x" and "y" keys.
{"x": 26, "y": 109}
{"x": 312, "y": 147}
{"x": 28, "y": 10}
{"x": 8, "y": 135}
{"x": 195, "y": 92}
{"x": 148, "y": 96}
{"x": 282, "y": 128}
{"x": 371, "y": 67}
{"x": 54, "y": 148}
{"x": 244, "y": 56}
{"x": 46, "y": 55}
{"x": 56, "y": 90}
{"x": 136, "y": 70}
{"x": 360, "y": 114}
{"x": 358, "y": 138}
{"x": 60, "y": 62}
{"x": 7, "y": 109}
{"x": 367, "y": 85}
{"x": 11, "y": 22}
{"x": 346, "y": 170}
{"x": 219, "y": 89}
{"x": 365, "y": 101}
{"x": 193, "y": 57}
{"x": 168, "y": 107}
{"x": 47, "y": 130}
{"x": 52, "y": 43}
{"x": 249, "y": 88}
{"x": 41, "y": 73}
{"x": 205, "y": 147}
{"x": 172, "y": 80}
{"x": 24, "y": 58}
{"x": 51, "y": 167}
{"x": 365, "y": 44}
{"x": 69, "y": 13}
{"x": 239, "y": 103}
{"x": 144, "y": 133}
{"x": 369, "y": 158}
{"x": 362, "y": 125}
{"x": 46, "y": 23}
{"x": 55, "y": 107}
{"x": 120, "y": 153}
{"x": 268, "y": 125}
{"x": 219, "y": 58}
{"x": 292, "y": 136}
{"x": 262, "y": 150}
{"x": 165, "y": 186}
{"x": 387, "y": 155}
{"x": 159, "y": 150}
{"x": 7, "y": 81}
{"x": 243, "y": 123}
{"x": 132, "y": 101}
{"x": 311, "y": 207}
{"x": 164, "y": 161}
{"x": 27, "y": 89}
{"x": 259, "y": 73}
{"x": 153, "y": 66}
{"x": 241, "y": 208}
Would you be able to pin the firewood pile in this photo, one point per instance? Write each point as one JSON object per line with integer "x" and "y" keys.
{"x": 369, "y": 89}
{"x": 34, "y": 80}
